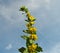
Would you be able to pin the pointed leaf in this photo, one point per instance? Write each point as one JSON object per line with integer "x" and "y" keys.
{"x": 39, "y": 49}
{"x": 27, "y": 20}
{"x": 31, "y": 41}
{"x": 22, "y": 49}
{"x": 24, "y": 37}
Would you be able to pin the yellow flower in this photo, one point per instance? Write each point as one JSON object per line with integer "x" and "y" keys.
{"x": 29, "y": 24}
{"x": 32, "y": 22}
{"x": 31, "y": 18}
{"x": 33, "y": 36}
{"x": 32, "y": 29}
{"x": 32, "y": 47}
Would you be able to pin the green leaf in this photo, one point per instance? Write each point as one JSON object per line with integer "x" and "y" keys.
{"x": 27, "y": 31}
{"x": 22, "y": 49}
{"x": 39, "y": 49}
{"x": 26, "y": 51}
{"x": 31, "y": 41}
{"x": 34, "y": 52}
{"x": 27, "y": 42}
{"x": 27, "y": 20}
{"x": 37, "y": 44}
{"x": 35, "y": 32}
{"x": 22, "y": 8}
{"x": 34, "y": 19}
{"x": 24, "y": 37}
{"x": 26, "y": 10}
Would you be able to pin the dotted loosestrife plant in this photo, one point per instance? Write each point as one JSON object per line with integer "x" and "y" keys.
{"x": 31, "y": 37}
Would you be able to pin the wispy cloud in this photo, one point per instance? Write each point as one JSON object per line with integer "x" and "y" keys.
{"x": 11, "y": 12}
{"x": 54, "y": 49}
{"x": 8, "y": 47}
{"x": 35, "y": 4}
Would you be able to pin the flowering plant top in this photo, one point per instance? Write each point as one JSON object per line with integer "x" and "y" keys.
{"x": 31, "y": 37}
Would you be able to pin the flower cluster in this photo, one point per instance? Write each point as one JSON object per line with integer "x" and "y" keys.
{"x": 31, "y": 37}
{"x": 32, "y": 48}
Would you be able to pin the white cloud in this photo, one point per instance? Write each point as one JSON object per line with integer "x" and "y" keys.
{"x": 8, "y": 47}
{"x": 11, "y": 12}
{"x": 35, "y": 4}
{"x": 47, "y": 4}
{"x": 54, "y": 49}
{"x": 47, "y": 1}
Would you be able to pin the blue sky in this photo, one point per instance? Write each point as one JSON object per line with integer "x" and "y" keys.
{"x": 47, "y": 13}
